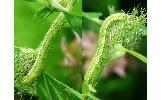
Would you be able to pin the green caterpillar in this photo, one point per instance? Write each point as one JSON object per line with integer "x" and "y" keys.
{"x": 118, "y": 31}
{"x": 24, "y": 59}
{"x": 29, "y": 64}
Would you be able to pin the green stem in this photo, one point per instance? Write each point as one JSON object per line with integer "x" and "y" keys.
{"x": 45, "y": 47}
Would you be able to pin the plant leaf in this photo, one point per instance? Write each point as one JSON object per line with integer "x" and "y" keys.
{"x": 57, "y": 90}
{"x": 42, "y": 12}
{"x": 51, "y": 93}
{"x": 49, "y": 6}
{"x": 41, "y": 90}
{"x": 75, "y": 22}
{"x": 137, "y": 55}
{"x": 57, "y": 5}
{"x": 93, "y": 17}
{"x": 92, "y": 97}
{"x": 77, "y": 8}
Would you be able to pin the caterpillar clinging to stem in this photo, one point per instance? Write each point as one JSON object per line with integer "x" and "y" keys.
{"x": 29, "y": 64}
{"x": 118, "y": 33}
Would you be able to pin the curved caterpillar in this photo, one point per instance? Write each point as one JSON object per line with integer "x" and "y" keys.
{"x": 29, "y": 64}
{"x": 117, "y": 31}
{"x": 46, "y": 45}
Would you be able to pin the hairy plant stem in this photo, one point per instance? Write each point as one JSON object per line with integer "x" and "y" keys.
{"x": 45, "y": 47}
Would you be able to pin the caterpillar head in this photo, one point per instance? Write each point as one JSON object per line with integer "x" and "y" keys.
{"x": 126, "y": 30}
{"x": 24, "y": 59}
{"x": 133, "y": 30}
